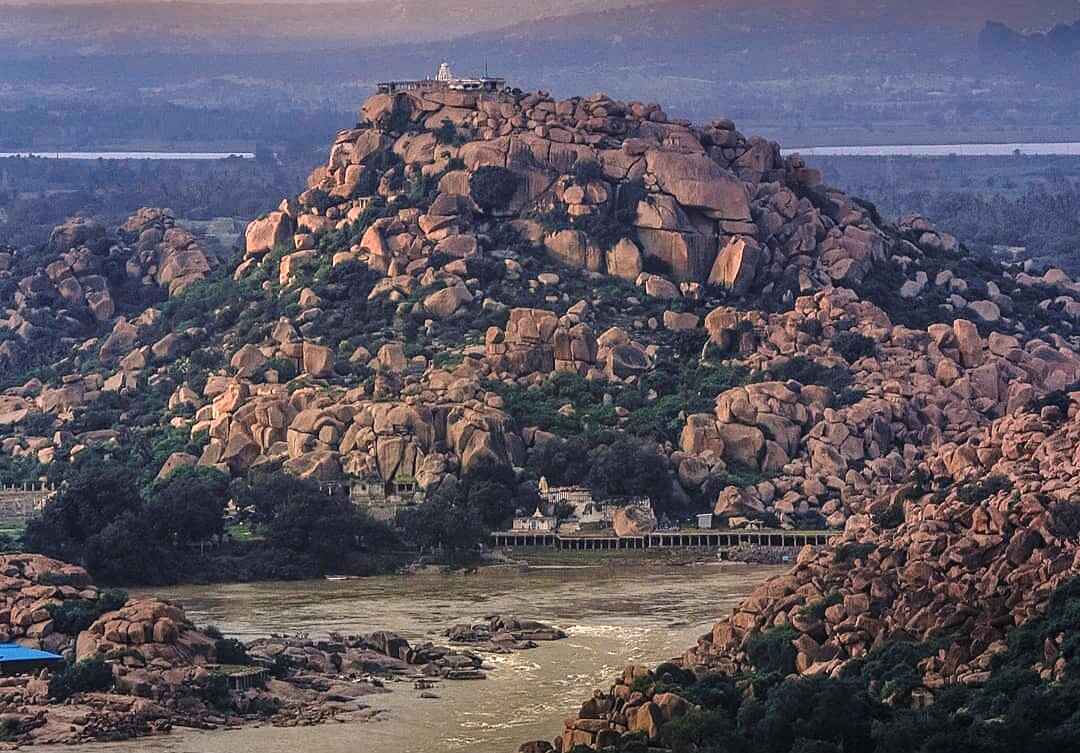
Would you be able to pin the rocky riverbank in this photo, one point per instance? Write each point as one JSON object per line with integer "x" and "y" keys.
{"x": 960, "y": 583}
{"x": 141, "y": 667}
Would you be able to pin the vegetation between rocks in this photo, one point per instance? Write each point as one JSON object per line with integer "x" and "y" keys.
{"x": 870, "y": 707}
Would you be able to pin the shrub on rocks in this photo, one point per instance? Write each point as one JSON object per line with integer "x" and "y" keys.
{"x": 504, "y": 236}
{"x": 554, "y": 220}
{"x": 772, "y": 650}
{"x": 447, "y": 134}
{"x": 492, "y": 187}
{"x": 215, "y": 693}
{"x": 853, "y": 551}
{"x": 281, "y": 666}
{"x": 805, "y": 371}
{"x": 73, "y": 616}
{"x": 811, "y": 327}
{"x": 853, "y": 346}
{"x": 320, "y": 199}
{"x": 654, "y": 265}
{"x": 284, "y": 367}
{"x": 587, "y": 171}
{"x": 603, "y": 230}
{"x": 87, "y": 676}
{"x": 891, "y": 516}
{"x": 816, "y": 609}
{"x": 673, "y": 674}
{"x": 983, "y": 489}
{"x": 231, "y": 651}
{"x": 1058, "y": 399}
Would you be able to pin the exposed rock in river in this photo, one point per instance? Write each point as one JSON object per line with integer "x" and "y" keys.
{"x": 163, "y": 672}
{"x": 503, "y": 633}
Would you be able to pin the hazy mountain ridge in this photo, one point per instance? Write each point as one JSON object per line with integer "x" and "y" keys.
{"x": 863, "y": 74}
{"x": 1060, "y": 46}
{"x": 263, "y": 27}
{"x": 94, "y": 28}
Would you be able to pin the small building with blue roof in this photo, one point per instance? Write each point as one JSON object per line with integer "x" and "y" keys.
{"x": 19, "y": 660}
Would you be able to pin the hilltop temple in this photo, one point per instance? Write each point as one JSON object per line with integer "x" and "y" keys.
{"x": 445, "y": 80}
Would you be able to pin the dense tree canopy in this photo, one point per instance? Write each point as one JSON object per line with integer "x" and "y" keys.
{"x": 189, "y": 505}
{"x": 441, "y": 525}
{"x": 629, "y": 468}
{"x": 175, "y": 528}
{"x": 91, "y": 497}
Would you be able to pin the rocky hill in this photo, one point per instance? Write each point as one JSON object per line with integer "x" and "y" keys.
{"x": 476, "y": 292}
{"x": 973, "y": 544}
{"x": 686, "y": 285}
{"x": 719, "y": 235}
{"x": 946, "y": 611}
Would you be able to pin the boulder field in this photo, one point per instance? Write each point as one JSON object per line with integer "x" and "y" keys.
{"x": 970, "y": 547}
{"x": 87, "y": 274}
{"x": 709, "y": 210}
{"x": 515, "y": 238}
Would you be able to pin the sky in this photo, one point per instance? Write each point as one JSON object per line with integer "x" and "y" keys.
{"x": 516, "y": 8}
{"x": 1037, "y": 12}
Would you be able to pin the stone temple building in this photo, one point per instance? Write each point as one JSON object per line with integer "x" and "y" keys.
{"x": 445, "y": 80}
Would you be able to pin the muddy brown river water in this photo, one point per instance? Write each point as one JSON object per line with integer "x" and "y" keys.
{"x": 613, "y": 617}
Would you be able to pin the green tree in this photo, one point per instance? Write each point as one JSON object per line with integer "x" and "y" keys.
{"x": 628, "y": 468}
{"x": 300, "y": 517}
{"x": 320, "y": 526}
{"x": 92, "y": 495}
{"x": 490, "y": 491}
{"x": 189, "y": 505}
{"x": 561, "y": 462}
{"x": 262, "y": 495}
{"x": 440, "y": 525}
{"x": 492, "y": 187}
{"x": 127, "y": 552}
{"x": 87, "y": 676}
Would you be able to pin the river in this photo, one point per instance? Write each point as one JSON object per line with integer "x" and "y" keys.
{"x": 613, "y": 617}
{"x": 131, "y": 155}
{"x": 1069, "y": 148}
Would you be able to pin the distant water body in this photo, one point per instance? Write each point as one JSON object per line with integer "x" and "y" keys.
{"x": 1071, "y": 148}
{"x": 131, "y": 155}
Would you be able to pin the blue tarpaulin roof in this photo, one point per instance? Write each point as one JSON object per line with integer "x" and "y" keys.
{"x": 14, "y": 652}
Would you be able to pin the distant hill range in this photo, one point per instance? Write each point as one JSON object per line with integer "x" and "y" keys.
{"x": 102, "y": 28}
{"x": 807, "y": 73}
{"x": 1058, "y": 47}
